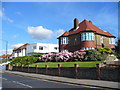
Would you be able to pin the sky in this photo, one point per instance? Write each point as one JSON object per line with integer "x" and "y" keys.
{"x": 43, "y": 22}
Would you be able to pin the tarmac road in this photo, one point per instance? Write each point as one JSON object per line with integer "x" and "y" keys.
{"x": 16, "y": 81}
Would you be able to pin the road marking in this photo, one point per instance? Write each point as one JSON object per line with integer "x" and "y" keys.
{"x": 18, "y": 83}
{"x": 22, "y": 84}
{"x": 4, "y": 78}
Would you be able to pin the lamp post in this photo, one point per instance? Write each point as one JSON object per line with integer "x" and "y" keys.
{"x": 6, "y": 46}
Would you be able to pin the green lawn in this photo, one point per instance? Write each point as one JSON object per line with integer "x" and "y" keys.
{"x": 67, "y": 64}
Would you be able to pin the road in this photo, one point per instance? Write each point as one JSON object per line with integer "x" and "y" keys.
{"x": 16, "y": 81}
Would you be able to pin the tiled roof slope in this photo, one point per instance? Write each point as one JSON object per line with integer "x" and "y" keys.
{"x": 21, "y": 47}
{"x": 86, "y": 26}
{"x": 14, "y": 49}
{"x": 8, "y": 55}
{"x": 65, "y": 34}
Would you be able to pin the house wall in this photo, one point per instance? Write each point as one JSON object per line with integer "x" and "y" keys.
{"x": 19, "y": 53}
{"x": 98, "y": 43}
{"x": 14, "y": 54}
{"x": 47, "y": 48}
{"x": 75, "y": 43}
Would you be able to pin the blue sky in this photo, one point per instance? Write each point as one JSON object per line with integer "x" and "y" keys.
{"x": 30, "y": 22}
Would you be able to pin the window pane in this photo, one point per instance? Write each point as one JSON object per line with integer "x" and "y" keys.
{"x": 40, "y": 47}
{"x": 34, "y": 47}
{"x": 86, "y": 36}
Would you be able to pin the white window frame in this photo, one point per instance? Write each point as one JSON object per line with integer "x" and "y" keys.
{"x": 64, "y": 50}
{"x": 101, "y": 39}
{"x": 64, "y": 40}
{"x": 87, "y": 36}
{"x": 112, "y": 40}
{"x": 87, "y": 48}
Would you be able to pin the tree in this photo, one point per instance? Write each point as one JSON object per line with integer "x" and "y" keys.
{"x": 118, "y": 48}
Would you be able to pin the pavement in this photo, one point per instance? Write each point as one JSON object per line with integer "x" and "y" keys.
{"x": 93, "y": 83}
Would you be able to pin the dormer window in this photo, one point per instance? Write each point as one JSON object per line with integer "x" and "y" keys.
{"x": 87, "y": 36}
{"x": 64, "y": 40}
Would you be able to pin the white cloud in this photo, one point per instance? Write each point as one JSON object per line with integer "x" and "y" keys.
{"x": 9, "y": 51}
{"x": 4, "y": 17}
{"x": 59, "y": 32}
{"x": 17, "y": 45}
{"x": 8, "y": 19}
{"x": 39, "y": 32}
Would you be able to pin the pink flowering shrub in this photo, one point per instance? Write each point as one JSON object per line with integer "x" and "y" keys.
{"x": 62, "y": 56}
{"x": 78, "y": 55}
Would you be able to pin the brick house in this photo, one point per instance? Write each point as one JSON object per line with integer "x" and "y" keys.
{"x": 84, "y": 36}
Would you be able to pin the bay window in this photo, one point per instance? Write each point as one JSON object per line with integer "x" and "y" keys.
{"x": 87, "y": 48}
{"x": 87, "y": 36}
{"x": 64, "y": 40}
{"x": 64, "y": 50}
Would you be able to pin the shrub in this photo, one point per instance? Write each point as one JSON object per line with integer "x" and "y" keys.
{"x": 62, "y": 56}
{"x": 95, "y": 55}
{"x": 25, "y": 60}
{"x": 78, "y": 55}
{"x": 105, "y": 50}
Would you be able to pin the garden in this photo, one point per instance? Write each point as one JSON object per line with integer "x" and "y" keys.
{"x": 87, "y": 58}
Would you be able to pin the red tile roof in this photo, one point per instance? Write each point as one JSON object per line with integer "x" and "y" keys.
{"x": 14, "y": 49}
{"x": 65, "y": 34}
{"x": 21, "y": 47}
{"x": 4, "y": 56}
{"x": 86, "y": 26}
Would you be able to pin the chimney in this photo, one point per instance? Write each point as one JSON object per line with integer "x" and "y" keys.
{"x": 90, "y": 21}
{"x": 75, "y": 23}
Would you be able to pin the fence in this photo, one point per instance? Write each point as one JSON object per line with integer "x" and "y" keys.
{"x": 95, "y": 73}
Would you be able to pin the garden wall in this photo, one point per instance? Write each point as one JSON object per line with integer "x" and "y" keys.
{"x": 104, "y": 73}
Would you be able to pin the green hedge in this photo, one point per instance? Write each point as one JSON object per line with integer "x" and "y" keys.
{"x": 25, "y": 60}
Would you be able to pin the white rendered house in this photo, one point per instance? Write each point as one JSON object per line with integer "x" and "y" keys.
{"x": 19, "y": 52}
{"x": 35, "y": 48}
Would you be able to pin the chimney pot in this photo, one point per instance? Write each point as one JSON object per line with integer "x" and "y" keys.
{"x": 90, "y": 21}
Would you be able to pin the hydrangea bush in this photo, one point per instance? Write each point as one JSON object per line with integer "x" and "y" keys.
{"x": 62, "y": 56}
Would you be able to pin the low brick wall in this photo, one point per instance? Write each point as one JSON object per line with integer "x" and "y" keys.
{"x": 87, "y": 73}
{"x": 95, "y": 73}
{"x": 110, "y": 74}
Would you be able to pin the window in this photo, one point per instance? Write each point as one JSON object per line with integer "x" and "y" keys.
{"x": 64, "y": 50}
{"x": 87, "y": 48}
{"x": 87, "y": 36}
{"x": 112, "y": 40}
{"x": 34, "y": 47}
{"x": 55, "y": 48}
{"x": 101, "y": 39}
{"x": 40, "y": 47}
{"x": 64, "y": 40}
{"x": 75, "y": 39}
